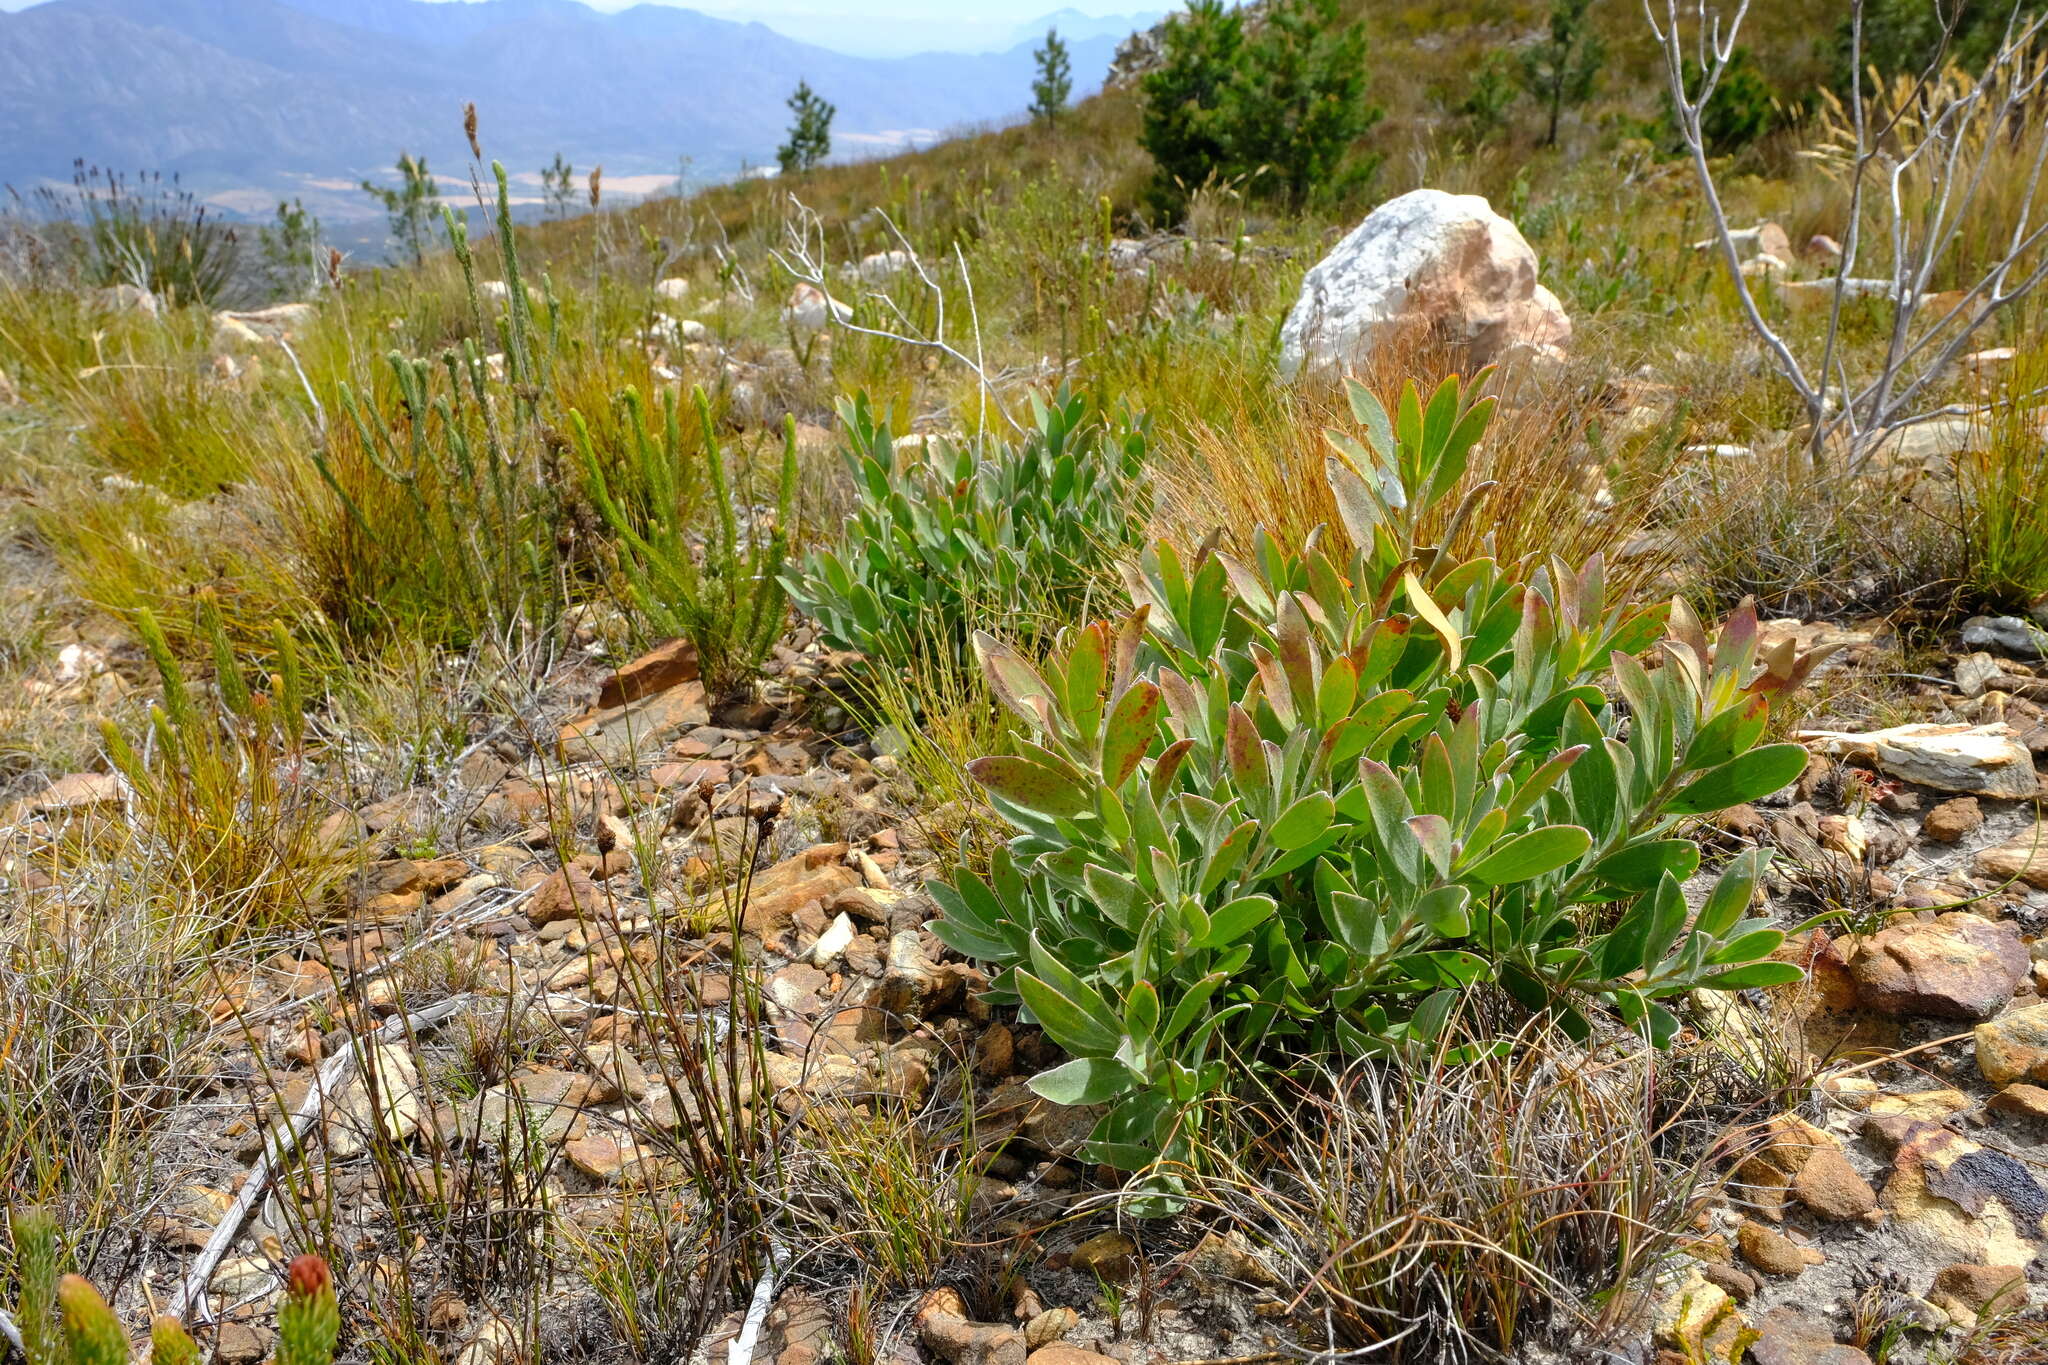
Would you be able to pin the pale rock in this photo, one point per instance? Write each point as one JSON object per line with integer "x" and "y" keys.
{"x": 674, "y": 289}
{"x": 2024, "y": 859}
{"x": 1697, "y": 1318}
{"x": 1424, "y": 260}
{"x": 2014, "y": 1046}
{"x": 831, "y": 944}
{"x": 1983, "y": 760}
{"x": 883, "y": 266}
{"x": 810, "y": 309}
{"x": 1751, "y": 243}
{"x": 395, "y": 1109}
{"x": 1975, "y": 672}
{"x": 127, "y": 298}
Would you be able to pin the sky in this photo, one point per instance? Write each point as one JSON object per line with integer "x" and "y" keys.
{"x": 878, "y": 27}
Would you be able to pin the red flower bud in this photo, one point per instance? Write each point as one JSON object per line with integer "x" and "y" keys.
{"x": 308, "y": 1275}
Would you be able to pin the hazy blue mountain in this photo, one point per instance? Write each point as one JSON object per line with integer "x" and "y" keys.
{"x": 290, "y": 96}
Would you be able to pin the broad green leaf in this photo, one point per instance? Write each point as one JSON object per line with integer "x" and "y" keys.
{"x": 1373, "y": 417}
{"x": 1233, "y": 921}
{"x": 1071, "y": 1025}
{"x": 1303, "y": 822}
{"x": 1129, "y": 732}
{"x": 1031, "y": 785}
{"x": 1639, "y": 867}
{"x": 1446, "y": 911}
{"x": 1141, "y": 1011}
{"x": 1085, "y": 1080}
{"x": 1733, "y": 892}
{"x": 1754, "y": 974}
{"x": 1529, "y": 854}
{"x": 1731, "y": 732}
{"x": 1749, "y": 777}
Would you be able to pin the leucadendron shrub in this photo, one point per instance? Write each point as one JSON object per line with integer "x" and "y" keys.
{"x": 1005, "y": 534}
{"x": 1304, "y": 803}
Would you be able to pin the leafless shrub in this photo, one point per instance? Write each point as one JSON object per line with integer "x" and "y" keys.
{"x": 1923, "y": 160}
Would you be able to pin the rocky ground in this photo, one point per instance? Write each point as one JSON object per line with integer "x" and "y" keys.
{"x": 548, "y": 948}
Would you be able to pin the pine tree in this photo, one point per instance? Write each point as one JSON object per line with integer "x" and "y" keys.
{"x": 1562, "y": 68}
{"x": 1297, "y": 101}
{"x": 810, "y": 131}
{"x": 411, "y": 206}
{"x": 1054, "y": 84}
{"x": 558, "y": 189}
{"x": 1183, "y": 98}
{"x": 1288, "y": 100}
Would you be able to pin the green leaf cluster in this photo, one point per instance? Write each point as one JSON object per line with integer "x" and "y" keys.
{"x": 1012, "y": 535}
{"x": 1307, "y": 800}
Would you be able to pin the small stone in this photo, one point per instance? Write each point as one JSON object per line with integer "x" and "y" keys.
{"x": 1980, "y": 1288}
{"x": 2014, "y": 1046}
{"x": 2025, "y": 859}
{"x": 241, "y": 1343}
{"x": 2011, "y": 636}
{"x": 1773, "y": 1252}
{"x": 614, "y": 1072}
{"x": 1975, "y": 672}
{"x": 1110, "y": 1255}
{"x": 943, "y": 1327}
{"x": 1793, "y": 1336}
{"x": 995, "y": 1052}
{"x": 1919, "y": 1104}
{"x": 1740, "y": 1284}
{"x": 1953, "y": 819}
{"x": 1043, "y": 1329}
{"x": 1057, "y": 1354}
{"x": 564, "y": 894}
{"x": 2021, "y": 1101}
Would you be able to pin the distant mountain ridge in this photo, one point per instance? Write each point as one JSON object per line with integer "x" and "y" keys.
{"x": 275, "y": 94}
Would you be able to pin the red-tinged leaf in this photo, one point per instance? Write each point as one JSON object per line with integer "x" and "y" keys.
{"x": 1030, "y": 785}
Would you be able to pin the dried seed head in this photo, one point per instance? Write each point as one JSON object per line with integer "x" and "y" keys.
{"x": 596, "y": 178}
{"x": 469, "y": 129}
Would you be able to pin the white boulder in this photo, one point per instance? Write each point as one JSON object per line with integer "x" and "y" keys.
{"x": 883, "y": 266}
{"x": 1427, "y": 260}
{"x": 674, "y": 289}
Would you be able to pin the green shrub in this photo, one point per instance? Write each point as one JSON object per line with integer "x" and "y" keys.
{"x": 453, "y": 511}
{"x": 732, "y": 606}
{"x": 1742, "y": 108}
{"x": 1279, "y": 106}
{"x": 1008, "y": 535}
{"x": 1311, "y": 801}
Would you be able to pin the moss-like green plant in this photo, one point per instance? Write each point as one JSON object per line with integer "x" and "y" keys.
{"x": 35, "y": 1267}
{"x": 731, "y": 604}
{"x": 92, "y": 1334}
{"x": 171, "y": 1344}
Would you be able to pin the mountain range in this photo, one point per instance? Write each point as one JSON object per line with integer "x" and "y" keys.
{"x": 251, "y": 99}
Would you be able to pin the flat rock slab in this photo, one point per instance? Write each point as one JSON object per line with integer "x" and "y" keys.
{"x": 1981, "y": 760}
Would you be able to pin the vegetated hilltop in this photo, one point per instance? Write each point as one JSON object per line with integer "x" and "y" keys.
{"x": 1157, "y": 736}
